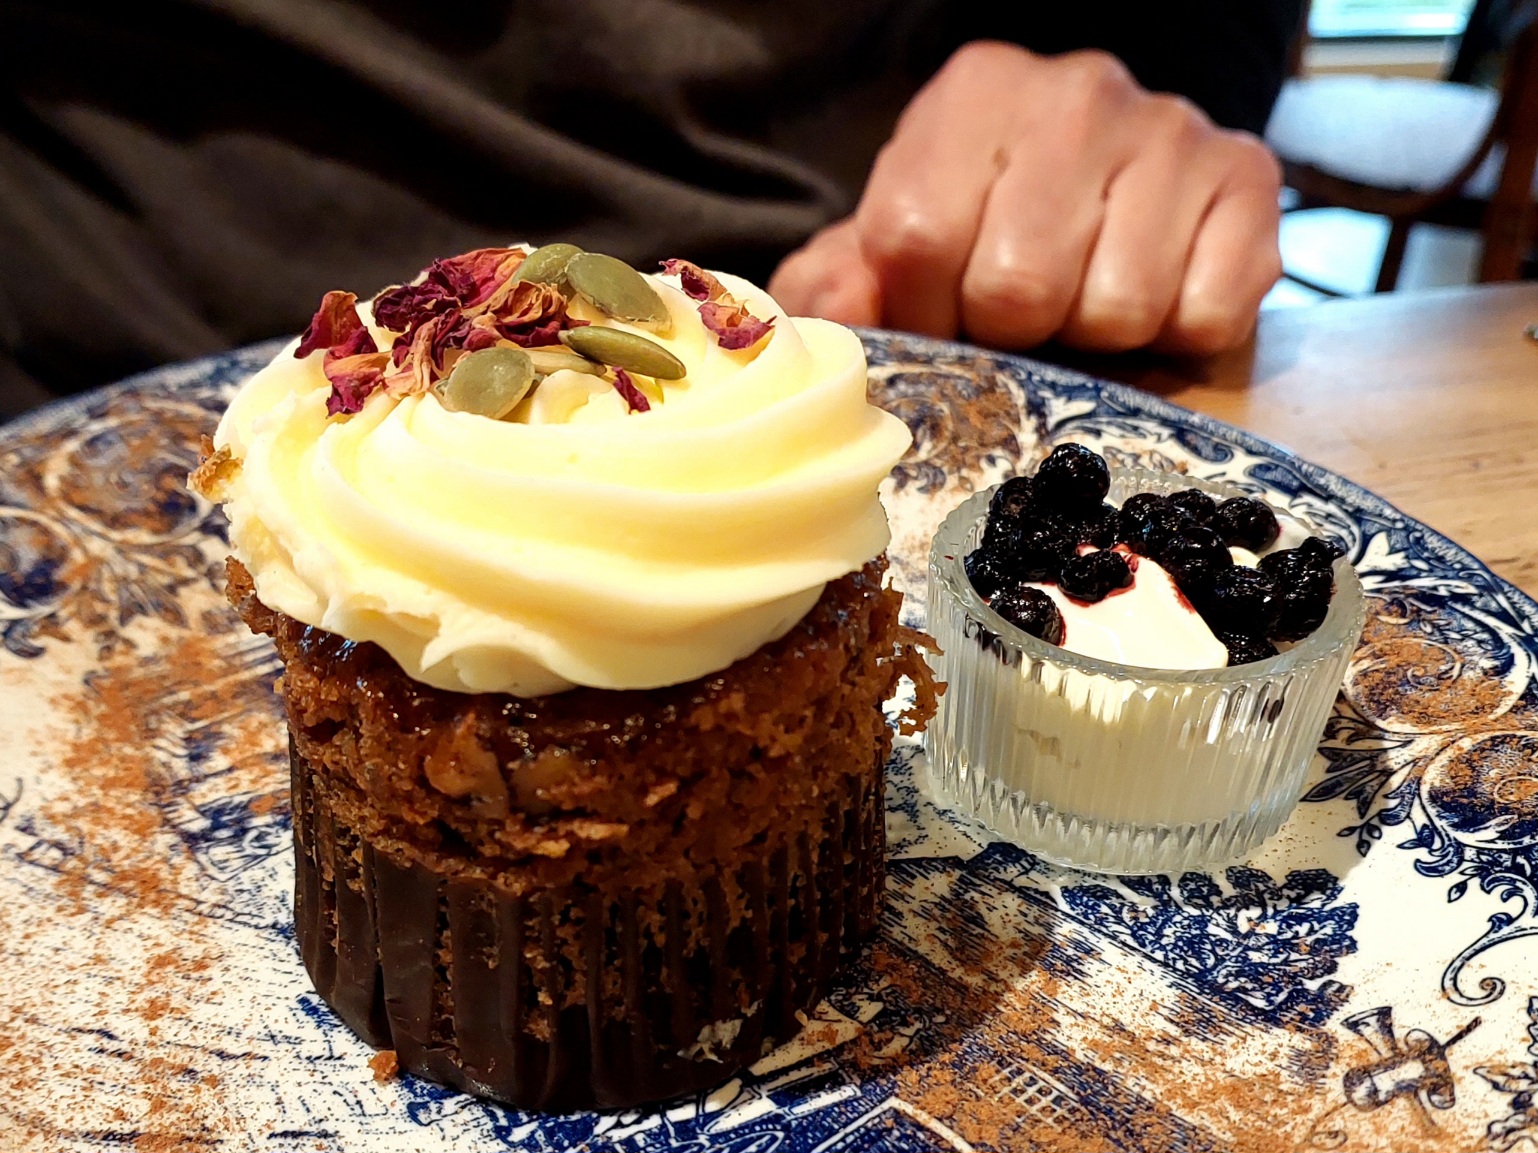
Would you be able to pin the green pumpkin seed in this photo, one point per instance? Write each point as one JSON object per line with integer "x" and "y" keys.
{"x": 547, "y": 360}
{"x": 621, "y": 349}
{"x": 490, "y": 382}
{"x": 617, "y": 290}
{"x": 546, "y": 265}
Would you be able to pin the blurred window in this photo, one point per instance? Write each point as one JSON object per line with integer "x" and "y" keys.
{"x": 1379, "y": 18}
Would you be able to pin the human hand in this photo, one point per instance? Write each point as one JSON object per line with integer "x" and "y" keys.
{"x": 1024, "y": 197}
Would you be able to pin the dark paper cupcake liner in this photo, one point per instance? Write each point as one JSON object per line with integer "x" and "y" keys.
{"x": 568, "y": 997}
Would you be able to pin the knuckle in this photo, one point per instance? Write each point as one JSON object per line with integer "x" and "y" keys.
{"x": 1212, "y": 330}
{"x": 1091, "y": 93}
{"x": 1252, "y": 160}
{"x": 896, "y": 233}
{"x": 1124, "y": 311}
{"x": 982, "y": 60}
{"x": 1013, "y": 291}
{"x": 1176, "y": 117}
{"x": 1097, "y": 73}
{"x": 1013, "y": 305}
{"x": 1123, "y": 319}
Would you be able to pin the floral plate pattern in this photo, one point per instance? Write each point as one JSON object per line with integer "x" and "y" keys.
{"x": 1367, "y": 980}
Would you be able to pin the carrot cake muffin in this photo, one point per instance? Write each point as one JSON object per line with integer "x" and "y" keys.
{"x": 576, "y": 575}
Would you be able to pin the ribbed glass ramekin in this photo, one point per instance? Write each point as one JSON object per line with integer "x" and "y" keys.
{"x": 1113, "y": 767}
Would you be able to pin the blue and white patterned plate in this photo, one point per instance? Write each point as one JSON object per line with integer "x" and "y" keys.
{"x": 1369, "y": 980}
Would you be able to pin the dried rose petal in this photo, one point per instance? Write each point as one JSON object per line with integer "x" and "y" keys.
{"x": 361, "y": 341}
{"x": 523, "y": 301}
{"x": 337, "y": 365}
{"x": 634, "y": 397}
{"x": 543, "y": 335}
{"x": 482, "y": 333}
{"x": 447, "y": 331}
{"x": 466, "y": 282}
{"x": 334, "y": 322}
{"x": 442, "y": 334}
{"x": 353, "y": 379}
{"x": 694, "y": 280}
{"x": 401, "y": 382}
{"x": 528, "y": 304}
{"x": 735, "y": 327}
{"x": 456, "y": 278}
{"x": 484, "y": 271}
{"x": 412, "y": 358}
{"x": 422, "y": 358}
{"x": 347, "y": 396}
{"x": 404, "y": 307}
{"x": 461, "y": 304}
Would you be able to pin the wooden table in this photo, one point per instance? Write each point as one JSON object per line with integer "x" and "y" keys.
{"x": 1430, "y": 399}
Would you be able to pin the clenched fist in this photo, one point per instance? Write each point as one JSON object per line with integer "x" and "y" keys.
{"x": 1024, "y": 197}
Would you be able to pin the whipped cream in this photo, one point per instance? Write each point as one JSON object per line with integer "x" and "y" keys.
{"x": 578, "y": 543}
{"x": 1150, "y": 623}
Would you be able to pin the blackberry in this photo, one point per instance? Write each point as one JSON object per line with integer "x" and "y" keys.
{"x": 1001, "y": 536}
{"x": 1039, "y": 554}
{"x": 983, "y": 571}
{"x": 1285, "y": 565}
{"x": 1012, "y": 499}
{"x": 1038, "y": 517}
{"x": 1093, "y": 576}
{"x": 1313, "y": 554}
{"x": 1194, "y": 504}
{"x": 1246, "y": 522}
{"x": 1192, "y": 556}
{"x": 1133, "y": 516}
{"x": 1032, "y": 611}
{"x": 1305, "y": 602}
{"x": 1242, "y": 600}
{"x": 1243, "y": 648}
{"x": 1097, "y": 528}
{"x": 1153, "y": 535}
{"x": 1321, "y": 551}
{"x": 1072, "y": 478}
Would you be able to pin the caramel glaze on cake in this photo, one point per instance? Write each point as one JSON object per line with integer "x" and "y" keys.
{"x": 596, "y": 898}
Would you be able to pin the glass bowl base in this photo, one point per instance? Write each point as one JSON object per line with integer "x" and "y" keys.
{"x": 1097, "y": 845}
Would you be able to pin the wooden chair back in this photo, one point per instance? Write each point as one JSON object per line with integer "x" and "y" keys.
{"x": 1501, "y": 35}
{"x": 1509, "y": 230}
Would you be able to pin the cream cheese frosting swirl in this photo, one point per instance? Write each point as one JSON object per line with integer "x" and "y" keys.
{"x": 576, "y": 543}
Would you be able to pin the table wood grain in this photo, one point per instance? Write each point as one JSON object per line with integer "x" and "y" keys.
{"x": 1429, "y": 399}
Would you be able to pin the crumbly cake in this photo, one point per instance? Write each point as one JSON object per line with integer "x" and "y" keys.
{"x": 595, "y": 898}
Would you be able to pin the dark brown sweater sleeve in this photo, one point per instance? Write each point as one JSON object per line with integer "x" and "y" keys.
{"x": 179, "y": 176}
